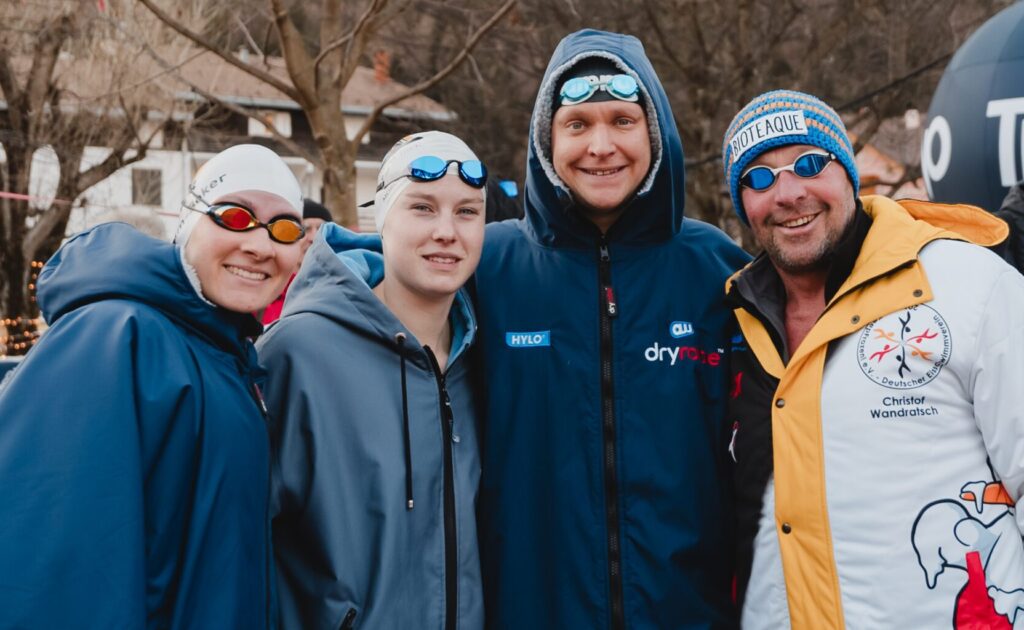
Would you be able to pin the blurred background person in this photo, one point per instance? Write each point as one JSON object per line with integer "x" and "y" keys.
{"x": 314, "y": 215}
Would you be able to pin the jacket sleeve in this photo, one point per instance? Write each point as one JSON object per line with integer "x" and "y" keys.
{"x": 996, "y": 379}
{"x": 73, "y": 465}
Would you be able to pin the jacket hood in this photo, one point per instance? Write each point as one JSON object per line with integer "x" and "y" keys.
{"x": 347, "y": 264}
{"x": 116, "y": 261}
{"x": 656, "y": 211}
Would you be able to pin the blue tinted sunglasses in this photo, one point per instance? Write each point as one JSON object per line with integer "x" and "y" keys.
{"x": 430, "y": 168}
{"x": 808, "y": 165}
{"x": 579, "y": 89}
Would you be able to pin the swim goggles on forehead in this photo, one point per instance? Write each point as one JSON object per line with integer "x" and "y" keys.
{"x": 808, "y": 165}
{"x": 579, "y": 89}
{"x": 428, "y": 168}
{"x": 238, "y": 218}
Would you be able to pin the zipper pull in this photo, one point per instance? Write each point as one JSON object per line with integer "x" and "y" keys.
{"x": 258, "y": 395}
{"x": 609, "y": 299}
{"x": 605, "y": 256}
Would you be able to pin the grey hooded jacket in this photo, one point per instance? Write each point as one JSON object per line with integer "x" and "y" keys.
{"x": 363, "y": 426}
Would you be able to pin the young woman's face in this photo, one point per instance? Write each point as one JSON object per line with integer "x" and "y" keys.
{"x": 243, "y": 271}
{"x": 432, "y": 237}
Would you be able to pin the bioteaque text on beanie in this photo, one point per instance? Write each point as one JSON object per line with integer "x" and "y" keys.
{"x": 780, "y": 118}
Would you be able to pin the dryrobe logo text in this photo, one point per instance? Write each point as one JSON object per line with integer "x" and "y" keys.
{"x": 905, "y": 349}
{"x": 660, "y": 354}
{"x": 538, "y": 339}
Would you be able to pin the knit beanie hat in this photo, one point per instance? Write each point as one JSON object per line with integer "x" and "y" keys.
{"x": 241, "y": 167}
{"x": 780, "y": 118}
{"x": 395, "y": 165}
{"x": 314, "y": 210}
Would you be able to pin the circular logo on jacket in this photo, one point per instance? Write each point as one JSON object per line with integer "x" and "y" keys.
{"x": 905, "y": 349}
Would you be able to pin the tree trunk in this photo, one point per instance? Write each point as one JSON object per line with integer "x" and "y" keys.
{"x": 340, "y": 188}
{"x": 17, "y": 302}
{"x": 17, "y": 306}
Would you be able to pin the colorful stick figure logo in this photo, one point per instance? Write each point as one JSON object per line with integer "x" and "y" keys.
{"x": 905, "y": 349}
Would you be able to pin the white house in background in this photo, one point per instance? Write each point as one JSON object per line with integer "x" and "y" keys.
{"x": 150, "y": 191}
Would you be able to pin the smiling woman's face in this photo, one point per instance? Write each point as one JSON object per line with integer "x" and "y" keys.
{"x": 243, "y": 271}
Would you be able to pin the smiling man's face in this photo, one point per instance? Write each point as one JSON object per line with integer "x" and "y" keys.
{"x": 602, "y": 151}
{"x": 799, "y": 221}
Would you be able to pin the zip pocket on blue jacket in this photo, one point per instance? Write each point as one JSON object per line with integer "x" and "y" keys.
{"x": 349, "y": 621}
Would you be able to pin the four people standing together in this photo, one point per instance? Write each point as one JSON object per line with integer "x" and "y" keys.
{"x": 658, "y": 433}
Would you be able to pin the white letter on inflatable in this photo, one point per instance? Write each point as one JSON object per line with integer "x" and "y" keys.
{"x": 934, "y": 171}
{"x": 1007, "y": 110}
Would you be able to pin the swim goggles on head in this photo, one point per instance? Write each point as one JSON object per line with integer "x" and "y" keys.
{"x": 238, "y": 218}
{"x": 428, "y": 168}
{"x": 808, "y": 165}
{"x": 579, "y": 89}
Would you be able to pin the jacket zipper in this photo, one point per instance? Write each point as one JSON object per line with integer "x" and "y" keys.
{"x": 610, "y": 310}
{"x": 261, "y": 403}
{"x": 451, "y": 583}
{"x": 349, "y": 621}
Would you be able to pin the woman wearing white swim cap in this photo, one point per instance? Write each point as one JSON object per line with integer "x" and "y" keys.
{"x": 134, "y": 457}
{"x": 373, "y": 418}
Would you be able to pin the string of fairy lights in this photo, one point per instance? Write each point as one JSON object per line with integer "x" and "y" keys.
{"x": 20, "y": 342}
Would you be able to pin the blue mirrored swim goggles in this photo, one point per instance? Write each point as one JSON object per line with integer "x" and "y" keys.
{"x": 580, "y": 89}
{"x": 430, "y": 168}
{"x": 808, "y": 165}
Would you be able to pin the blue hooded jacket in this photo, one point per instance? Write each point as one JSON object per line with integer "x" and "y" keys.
{"x": 342, "y": 371}
{"x": 603, "y": 499}
{"x": 134, "y": 458}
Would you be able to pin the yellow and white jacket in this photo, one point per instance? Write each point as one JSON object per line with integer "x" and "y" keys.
{"x": 897, "y": 434}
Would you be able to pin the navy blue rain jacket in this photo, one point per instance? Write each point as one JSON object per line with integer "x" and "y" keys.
{"x": 603, "y": 501}
{"x": 134, "y": 459}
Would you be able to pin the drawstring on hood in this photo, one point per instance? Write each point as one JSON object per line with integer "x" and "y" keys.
{"x": 400, "y": 340}
{"x": 336, "y": 281}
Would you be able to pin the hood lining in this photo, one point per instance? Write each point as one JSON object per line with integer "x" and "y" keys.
{"x": 544, "y": 115}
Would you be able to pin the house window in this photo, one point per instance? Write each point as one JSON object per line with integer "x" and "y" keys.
{"x": 147, "y": 187}
{"x": 282, "y": 121}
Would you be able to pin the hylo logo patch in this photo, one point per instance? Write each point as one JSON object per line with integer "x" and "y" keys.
{"x": 905, "y": 349}
{"x": 537, "y": 339}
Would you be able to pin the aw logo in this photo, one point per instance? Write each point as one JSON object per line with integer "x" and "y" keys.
{"x": 905, "y": 349}
{"x": 538, "y": 339}
{"x": 678, "y": 330}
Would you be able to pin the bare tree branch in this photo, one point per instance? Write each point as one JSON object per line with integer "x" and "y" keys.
{"x": 666, "y": 48}
{"x": 293, "y": 146}
{"x": 197, "y": 39}
{"x": 44, "y": 61}
{"x": 296, "y": 57}
{"x": 341, "y": 41}
{"x": 248, "y": 38}
{"x": 438, "y": 77}
{"x": 12, "y": 94}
